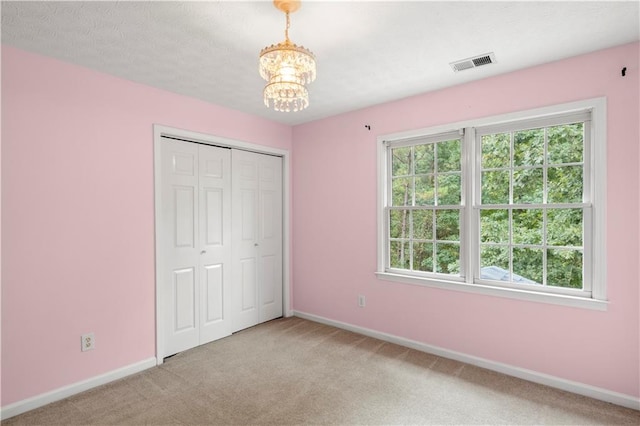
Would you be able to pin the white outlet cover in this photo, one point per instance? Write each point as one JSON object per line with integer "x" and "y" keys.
{"x": 361, "y": 301}
{"x": 88, "y": 342}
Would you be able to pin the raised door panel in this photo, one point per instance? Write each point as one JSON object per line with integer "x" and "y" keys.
{"x": 184, "y": 216}
{"x": 183, "y": 163}
{"x": 213, "y": 294}
{"x": 184, "y": 290}
{"x": 214, "y": 216}
{"x": 247, "y": 210}
{"x": 248, "y": 291}
{"x": 268, "y": 280}
{"x": 268, "y": 211}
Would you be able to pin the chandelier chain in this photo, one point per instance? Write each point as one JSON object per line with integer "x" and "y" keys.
{"x": 286, "y": 31}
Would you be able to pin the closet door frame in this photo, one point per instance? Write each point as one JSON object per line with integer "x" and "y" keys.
{"x": 158, "y": 132}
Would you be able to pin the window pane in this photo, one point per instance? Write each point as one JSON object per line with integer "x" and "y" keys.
{"x": 399, "y": 223}
{"x": 527, "y": 226}
{"x": 494, "y": 263}
{"x": 494, "y": 226}
{"x": 423, "y": 224}
{"x": 527, "y": 265}
{"x": 566, "y": 143}
{"x": 495, "y": 150}
{"x": 448, "y": 258}
{"x": 448, "y": 156}
{"x": 527, "y": 186}
{"x": 564, "y": 268}
{"x": 424, "y": 159}
{"x": 564, "y": 184}
{"x": 564, "y": 227}
{"x": 399, "y": 254}
{"x": 425, "y": 191}
{"x": 402, "y": 191}
{"x": 448, "y": 225}
{"x": 401, "y": 161}
{"x": 495, "y": 187}
{"x": 528, "y": 147}
{"x": 449, "y": 187}
{"x": 423, "y": 257}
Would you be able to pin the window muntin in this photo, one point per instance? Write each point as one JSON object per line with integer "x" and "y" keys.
{"x": 531, "y": 210}
{"x": 531, "y": 224}
{"x": 424, "y": 219}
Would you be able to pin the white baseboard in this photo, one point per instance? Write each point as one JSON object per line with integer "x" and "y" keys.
{"x": 67, "y": 391}
{"x": 522, "y": 373}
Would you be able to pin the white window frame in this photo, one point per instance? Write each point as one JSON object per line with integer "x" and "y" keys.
{"x": 595, "y": 162}
{"x": 434, "y": 139}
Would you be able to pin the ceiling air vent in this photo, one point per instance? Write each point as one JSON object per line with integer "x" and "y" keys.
{"x": 476, "y": 61}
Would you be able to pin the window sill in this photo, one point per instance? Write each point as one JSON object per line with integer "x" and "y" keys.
{"x": 531, "y": 296}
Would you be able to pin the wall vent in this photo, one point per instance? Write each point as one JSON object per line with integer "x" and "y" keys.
{"x": 476, "y": 61}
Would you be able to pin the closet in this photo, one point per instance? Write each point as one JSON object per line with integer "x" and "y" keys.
{"x": 219, "y": 241}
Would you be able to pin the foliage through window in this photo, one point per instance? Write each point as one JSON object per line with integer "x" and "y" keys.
{"x": 424, "y": 218}
{"x": 531, "y": 205}
{"x": 506, "y": 205}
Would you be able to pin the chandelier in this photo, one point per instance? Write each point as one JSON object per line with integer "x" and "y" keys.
{"x": 287, "y": 68}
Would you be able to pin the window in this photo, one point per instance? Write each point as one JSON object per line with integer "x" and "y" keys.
{"x": 424, "y": 216}
{"x": 504, "y": 206}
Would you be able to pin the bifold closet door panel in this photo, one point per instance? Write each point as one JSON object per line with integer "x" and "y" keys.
{"x": 179, "y": 257}
{"x": 215, "y": 242}
{"x": 195, "y": 252}
{"x": 257, "y": 238}
{"x": 244, "y": 204}
{"x": 270, "y": 237}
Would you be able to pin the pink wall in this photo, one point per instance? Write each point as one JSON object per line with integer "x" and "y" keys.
{"x": 77, "y": 219}
{"x": 334, "y": 215}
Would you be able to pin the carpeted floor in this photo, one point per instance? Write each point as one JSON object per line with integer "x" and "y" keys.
{"x": 293, "y": 371}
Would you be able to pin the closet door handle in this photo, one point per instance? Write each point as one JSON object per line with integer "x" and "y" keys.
{"x": 203, "y": 252}
{"x": 255, "y": 244}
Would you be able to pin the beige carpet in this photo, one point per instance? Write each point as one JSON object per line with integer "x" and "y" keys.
{"x": 293, "y": 371}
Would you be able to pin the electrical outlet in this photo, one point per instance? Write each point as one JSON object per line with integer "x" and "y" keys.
{"x": 361, "y": 301}
{"x": 88, "y": 342}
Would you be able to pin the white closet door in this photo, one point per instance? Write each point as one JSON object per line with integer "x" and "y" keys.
{"x": 195, "y": 234}
{"x": 180, "y": 255}
{"x": 215, "y": 242}
{"x": 270, "y": 237}
{"x": 257, "y": 235}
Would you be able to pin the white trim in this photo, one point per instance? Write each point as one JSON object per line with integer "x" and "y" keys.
{"x": 509, "y": 293}
{"x": 381, "y": 201}
{"x": 601, "y": 394}
{"x": 157, "y": 190}
{"x": 599, "y": 201}
{"x": 470, "y": 198}
{"x": 158, "y": 132}
{"x": 73, "y": 389}
{"x": 287, "y": 311}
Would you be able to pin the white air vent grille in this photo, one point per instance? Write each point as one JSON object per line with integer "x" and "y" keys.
{"x": 476, "y": 61}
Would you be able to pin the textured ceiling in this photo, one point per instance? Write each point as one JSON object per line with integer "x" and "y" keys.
{"x": 367, "y": 52}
